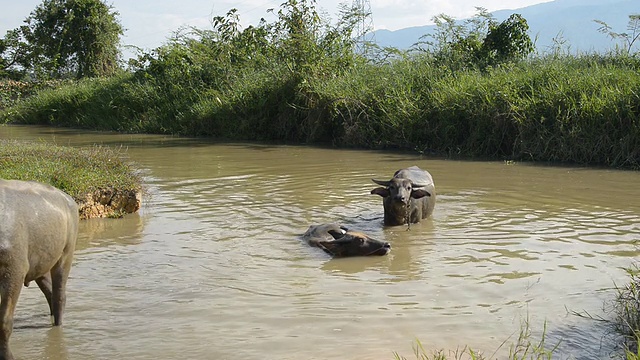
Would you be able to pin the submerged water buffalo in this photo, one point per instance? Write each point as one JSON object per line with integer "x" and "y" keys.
{"x": 338, "y": 241}
{"x": 38, "y": 232}
{"x": 408, "y": 197}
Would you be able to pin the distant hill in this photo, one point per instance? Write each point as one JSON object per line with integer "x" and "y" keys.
{"x": 568, "y": 21}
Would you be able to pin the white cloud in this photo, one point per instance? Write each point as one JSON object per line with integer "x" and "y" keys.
{"x": 398, "y": 14}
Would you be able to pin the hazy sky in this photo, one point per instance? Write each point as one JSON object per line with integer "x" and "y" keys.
{"x": 149, "y": 22}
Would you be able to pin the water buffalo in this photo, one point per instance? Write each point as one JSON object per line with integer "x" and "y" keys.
{"x": 38, "y": 232}
{"x": 338, "y": 241}
{"x": 408, "y": 197}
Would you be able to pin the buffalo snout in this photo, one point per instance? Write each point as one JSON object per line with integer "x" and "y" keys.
{"x": 402, "y": 197}
{"x": 384, "y": 250}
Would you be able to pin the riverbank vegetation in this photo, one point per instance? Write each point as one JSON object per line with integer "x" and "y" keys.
{"x": 471, "y": 89}
{"x": 77, "y": 171}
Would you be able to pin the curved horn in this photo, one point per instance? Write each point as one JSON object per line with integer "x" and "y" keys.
{"x": 380, "y": 182}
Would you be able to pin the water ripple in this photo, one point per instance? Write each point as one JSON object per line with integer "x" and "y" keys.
{"x": 215, "y": 253}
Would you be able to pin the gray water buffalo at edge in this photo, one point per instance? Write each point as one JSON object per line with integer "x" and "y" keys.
{"x": 38, "y": 233}
{"x": 338, "y": 241}
{"x": 408, "y": 197}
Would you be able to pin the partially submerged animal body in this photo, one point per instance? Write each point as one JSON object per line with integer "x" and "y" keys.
{"x": 339, "y": 241}
{"x": 38, "y": 233}
{"x": 408, "y": 197}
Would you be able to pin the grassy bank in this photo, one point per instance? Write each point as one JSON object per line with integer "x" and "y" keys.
{"x": 582, "y": 110}
{"x": 77, "y": 171}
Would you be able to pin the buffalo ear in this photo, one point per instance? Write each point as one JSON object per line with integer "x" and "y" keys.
{"x": 336, "y": 234}
{"x": 419, "y": 193}
{"x": 384, "y": 192}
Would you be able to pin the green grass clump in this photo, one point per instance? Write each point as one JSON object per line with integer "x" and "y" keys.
{"x": 77, "y": 171}
{"x": 626, "y": 313}
{"x": 525, "y": 348}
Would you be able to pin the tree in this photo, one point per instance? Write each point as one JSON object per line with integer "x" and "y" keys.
{"x": 478, "y": 42}
{"x": 628, "y": 39}
{"x": 308, "y": 43}
{"x": 13, "y": 56}
{"x": 71, "y": 38}
{"x": 508, "y": 41}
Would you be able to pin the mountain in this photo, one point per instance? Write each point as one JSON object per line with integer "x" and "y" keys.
{"x": 570, "y": 22}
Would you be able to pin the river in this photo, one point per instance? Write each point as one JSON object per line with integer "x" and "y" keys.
{"x": 212, "y": 266}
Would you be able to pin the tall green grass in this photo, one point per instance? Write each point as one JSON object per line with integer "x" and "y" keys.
{"x": 583, "y": 109}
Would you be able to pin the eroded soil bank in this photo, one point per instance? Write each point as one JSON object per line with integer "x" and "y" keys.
{"x": 109, "y": 202}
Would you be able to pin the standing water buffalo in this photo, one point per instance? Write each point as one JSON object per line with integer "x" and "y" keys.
{"x": 408, "y": 197}
{"x": 38, "y": 232}
{"x": 338, "y": 241}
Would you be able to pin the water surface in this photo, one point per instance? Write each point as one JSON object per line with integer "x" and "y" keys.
{"x": 212, "y": 267}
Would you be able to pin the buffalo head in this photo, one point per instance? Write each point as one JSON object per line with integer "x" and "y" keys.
{"x": 408, "y": 197}
{"x": 354, "y": 244}
{"x": 337, "y": 241}
{"x": 400, "y": 190}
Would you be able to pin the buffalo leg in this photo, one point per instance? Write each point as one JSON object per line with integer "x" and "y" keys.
{"x": 59, "y": 275}
{"x": 9, "y": 292}
{"x": 44, "y": 283}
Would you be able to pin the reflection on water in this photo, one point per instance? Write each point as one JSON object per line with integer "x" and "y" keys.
{"x": 214, "y": 267}
{"x": 96, "y": 233}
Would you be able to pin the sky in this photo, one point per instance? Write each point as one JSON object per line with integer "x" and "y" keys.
{"x": 148, "y": 23}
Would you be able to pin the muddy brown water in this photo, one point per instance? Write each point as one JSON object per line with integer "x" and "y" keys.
{"x": 212, "y": 267}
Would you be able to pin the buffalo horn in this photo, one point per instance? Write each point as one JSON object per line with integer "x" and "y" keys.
{"x": 388, "y": 182}
{"x": 380, "y": 182}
